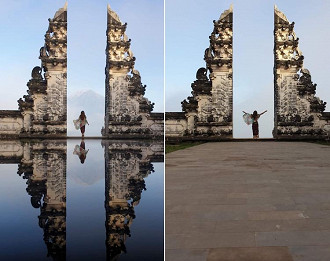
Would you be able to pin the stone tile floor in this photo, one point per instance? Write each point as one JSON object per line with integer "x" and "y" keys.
{"x": 251, "y": 201}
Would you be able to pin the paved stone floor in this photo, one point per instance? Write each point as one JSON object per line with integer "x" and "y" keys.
{"x": 251, "y": 201}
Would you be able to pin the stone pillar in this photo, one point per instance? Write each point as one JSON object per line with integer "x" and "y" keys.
{"x": 54, "y": 62}
{"x": 27, "y": 154}
{"x": 209, "y": 110}
{"x": 26, "y": 109}
{"x": 45, "y": 107}
{"x": 219, "y": 61}
{"x": 298, "y": 112}
{"x": 27, "y": 119}
{"x": 127, "y": 111}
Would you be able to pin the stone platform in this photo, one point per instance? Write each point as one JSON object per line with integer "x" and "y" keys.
{"x": 251, "y": 201}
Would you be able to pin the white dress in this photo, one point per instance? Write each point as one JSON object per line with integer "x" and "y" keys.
{"x": 247, "y": 117}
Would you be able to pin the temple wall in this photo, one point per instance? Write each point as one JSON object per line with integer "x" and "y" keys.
{"x": 222, "y": 96}
{"x": 40, "y": 105}
{"x": 57, "y": 95}
{"x": 175, "y": 127}
{"x": 121, "y": 105}
{"x": 11, "y": 149}
{"x": 11, "y": 123}
{"x": 155, "y": 123}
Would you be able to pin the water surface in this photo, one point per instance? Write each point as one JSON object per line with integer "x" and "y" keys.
{"x": 73, "y": 200}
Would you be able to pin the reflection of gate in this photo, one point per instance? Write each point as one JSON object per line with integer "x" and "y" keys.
{"x": 127, "y": 164}
{"x": 298, "y": 112}
{"x": 208, "y": 112}
{"x": 43, "y": 165}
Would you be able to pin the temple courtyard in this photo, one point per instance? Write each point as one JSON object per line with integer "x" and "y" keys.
{"x": 251, "y": 201}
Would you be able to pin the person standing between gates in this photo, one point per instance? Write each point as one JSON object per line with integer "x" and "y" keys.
{"x": 81, "y": 123}
{"x": 253, "y": 118}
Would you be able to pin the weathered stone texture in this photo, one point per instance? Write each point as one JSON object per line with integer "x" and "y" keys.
{"x": 208, "y": 112}
{"x": 127, "y": 111}
{"x": 43, "y": 166}
{"x": 43, "y": 110}
{"x": 298, "y": 112}
{"x": 11, "y": 123}
{"x": 127, "y": 164}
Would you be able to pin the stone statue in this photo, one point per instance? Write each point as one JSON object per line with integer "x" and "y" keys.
{"x": 43, "y": 52}
{"x": 201, "y": 74}
{"x": 36, "y": 73}
{"x": 208, "y": 54}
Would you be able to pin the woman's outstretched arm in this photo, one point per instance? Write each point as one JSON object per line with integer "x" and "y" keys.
{"x": 263, "y": 112}
{"x": 244, "y": 112}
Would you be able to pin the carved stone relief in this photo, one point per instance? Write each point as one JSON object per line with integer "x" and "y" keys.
{"x": 127, "y": 165}
{"x": 298, "y": 112}
{"x": 44, "y": 109}
{"x": 208, "y": 112}
{"x": 127, "y": 112}
{"x": 43, "y": 166}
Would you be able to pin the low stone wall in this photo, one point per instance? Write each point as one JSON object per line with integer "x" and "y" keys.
{"x": 156, "y": 123}
{"x": 11, "y": 152}
{"x": 11, "y": 123}
{"x": 175, "y": 124}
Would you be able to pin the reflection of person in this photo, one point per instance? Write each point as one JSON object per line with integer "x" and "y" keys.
{"x": 81, "y": 122}
{"x": 253, "y": 118}
{"x": 81, "y": 151}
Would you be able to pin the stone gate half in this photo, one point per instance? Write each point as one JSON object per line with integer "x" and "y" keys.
{"x": 43, "y": 111}
{"x": 208, "y": 112}
{"x": 128, "y": 114}
{"x": 299, "y": 114}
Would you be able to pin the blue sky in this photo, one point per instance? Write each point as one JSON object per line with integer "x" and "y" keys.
{"x": 189, "y": 24}
{"x": 24, "y": 23}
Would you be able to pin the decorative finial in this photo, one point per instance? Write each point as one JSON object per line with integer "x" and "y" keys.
{"x": 112, "y": 14}
{"x": 61, "y": 10}
{"x": 226, "y": 12}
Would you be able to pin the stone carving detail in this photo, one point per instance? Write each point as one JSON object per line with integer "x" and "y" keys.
{"x": 305, "y": 84}
{"x": 127, "y": 111}
{"x": 208, "y": 111}
{"x": 54, "y": 61}
{"x": 43, "y": 111}
{"x": 220, "y": 52}
{"x": 127, "y": 164}
{"x": 298, "y": 112}
{"x": 57, "y": 98}
{"x": 43, "y": 165}
{"x": 36, "y": 73}
{"x": 136, "y": 87}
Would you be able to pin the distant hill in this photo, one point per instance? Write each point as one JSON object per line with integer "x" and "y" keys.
{"x": 93, "y": 105}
